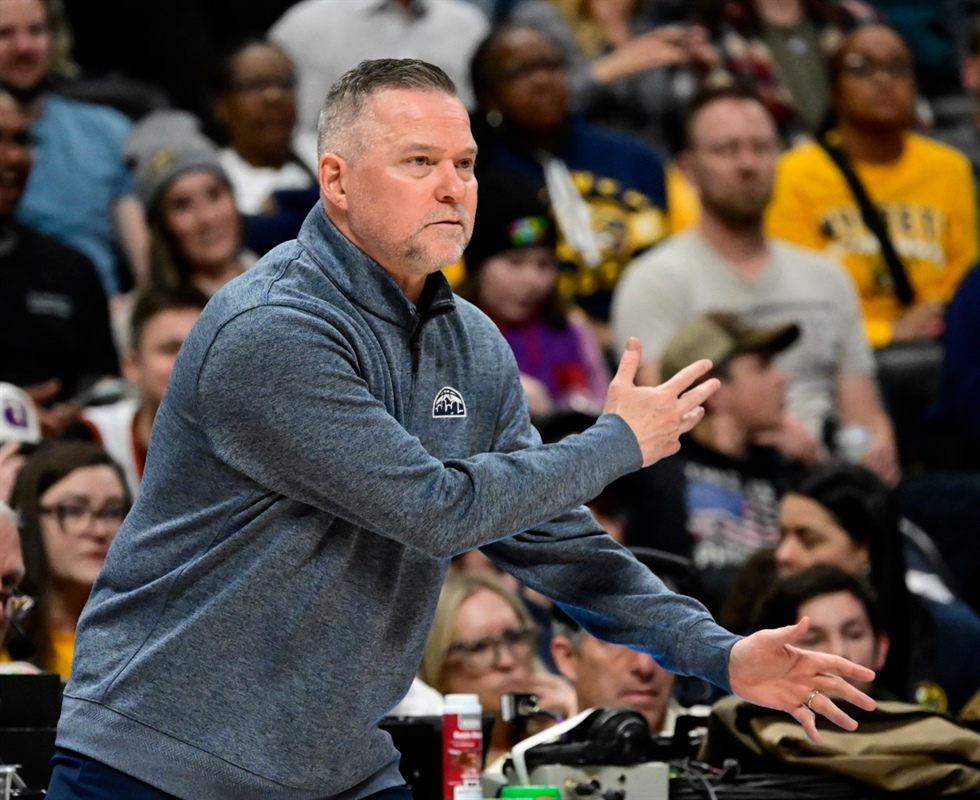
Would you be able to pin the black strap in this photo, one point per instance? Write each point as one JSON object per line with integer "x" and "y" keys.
{"x": 875, "y": 223}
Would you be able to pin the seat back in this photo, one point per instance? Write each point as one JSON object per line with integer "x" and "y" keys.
{"x": 909, "y": 377}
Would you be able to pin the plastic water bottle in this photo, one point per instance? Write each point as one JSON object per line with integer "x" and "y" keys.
{"x": 462, "y": 747}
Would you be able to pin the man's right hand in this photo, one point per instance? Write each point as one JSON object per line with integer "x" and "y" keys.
{"x": 658, "y": 415}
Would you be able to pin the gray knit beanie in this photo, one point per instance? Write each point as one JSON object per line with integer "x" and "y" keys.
{"x": 164, "y": 145}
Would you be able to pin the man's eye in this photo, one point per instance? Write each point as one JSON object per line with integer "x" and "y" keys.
{"x": 810, "y": 539}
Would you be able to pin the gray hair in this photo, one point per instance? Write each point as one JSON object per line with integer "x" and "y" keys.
{"x": 345, "y": 101}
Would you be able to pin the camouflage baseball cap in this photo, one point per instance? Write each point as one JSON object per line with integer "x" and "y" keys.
{"x": 720, "y": 336}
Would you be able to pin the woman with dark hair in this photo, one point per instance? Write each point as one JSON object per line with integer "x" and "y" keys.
{"x": 197, "y": 233}
{"x": 71, "y": 498}
{"x": 923, "y": 189}
{"x": 843, "y": 514}
{"x": 196, "y": 229}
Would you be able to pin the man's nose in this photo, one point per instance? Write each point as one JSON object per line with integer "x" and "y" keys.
{"x": 837, "y": 646}
{"x": 505, "y": 659}
{"x": 786, "y": 554}
{"x": 748, "y": 160}
{"x": 451, "y": 187}
{"x": 644, "y": 665}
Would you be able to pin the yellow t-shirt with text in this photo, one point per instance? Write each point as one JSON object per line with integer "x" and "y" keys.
{"x": 929, "y": 202}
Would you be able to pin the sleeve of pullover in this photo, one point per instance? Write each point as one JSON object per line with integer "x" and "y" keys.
{"x": 598, "y": 581}
{"x": 282, "y": 400}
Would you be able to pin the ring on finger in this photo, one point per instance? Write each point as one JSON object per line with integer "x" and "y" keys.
{"x": 809, "y": 700}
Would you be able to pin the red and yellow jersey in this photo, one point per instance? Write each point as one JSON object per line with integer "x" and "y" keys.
{"x": 928, "y": 199}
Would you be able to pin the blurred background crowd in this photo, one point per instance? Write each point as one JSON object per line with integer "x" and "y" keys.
{"x": 787, "y": 187}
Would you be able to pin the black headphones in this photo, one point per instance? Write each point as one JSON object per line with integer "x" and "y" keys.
{"x": 610, "y": 736}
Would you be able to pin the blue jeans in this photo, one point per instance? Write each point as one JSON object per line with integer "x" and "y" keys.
{"x": 78, "y": 777}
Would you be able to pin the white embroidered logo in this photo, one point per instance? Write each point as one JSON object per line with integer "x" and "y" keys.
{"x": 448, "y": 404}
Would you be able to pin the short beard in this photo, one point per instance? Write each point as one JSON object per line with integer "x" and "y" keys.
{"x": 409, "y": 251}
{"x": 736, "y": 216}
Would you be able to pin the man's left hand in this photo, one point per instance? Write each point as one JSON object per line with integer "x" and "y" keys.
{"x": 766, "y": 669}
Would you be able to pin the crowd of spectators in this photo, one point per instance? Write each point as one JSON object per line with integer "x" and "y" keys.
{"x": 787, "y": 187}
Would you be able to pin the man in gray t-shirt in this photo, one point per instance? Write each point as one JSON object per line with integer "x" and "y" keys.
{"x": 727, "y": 263}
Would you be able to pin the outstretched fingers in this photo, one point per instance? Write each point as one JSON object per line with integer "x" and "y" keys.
{"x": 821, "y": 702}
{"x": 690, "y": 419}
{"x": 824, "y": 705}
{"x": 808, "y": 721}
{"x": 687, "y": 376}
{"x": 833, "y": 679}
{"x": 629, "y": 363}
{"x": 695, "y": 397}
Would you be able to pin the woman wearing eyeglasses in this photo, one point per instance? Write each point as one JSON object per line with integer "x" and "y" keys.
{"x": 71, "y": 498}
{"x": 482, "y": 641}
{"x": 923, "y": 189}
{"x": 272, "y": 166}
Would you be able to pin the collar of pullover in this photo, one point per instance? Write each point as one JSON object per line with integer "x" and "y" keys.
{"x": 365, "y": 282}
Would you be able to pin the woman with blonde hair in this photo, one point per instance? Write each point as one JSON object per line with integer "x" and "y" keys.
{"x": 482, "y": 641}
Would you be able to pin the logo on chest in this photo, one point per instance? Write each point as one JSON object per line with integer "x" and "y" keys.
{"x": 448, "y": 404}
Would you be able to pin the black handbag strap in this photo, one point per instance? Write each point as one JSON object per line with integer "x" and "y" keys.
{"x": 876, "y": 224}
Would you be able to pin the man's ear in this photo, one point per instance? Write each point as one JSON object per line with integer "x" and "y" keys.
{"x": 332, "y": 171}
{"x": 563, "y": 652}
